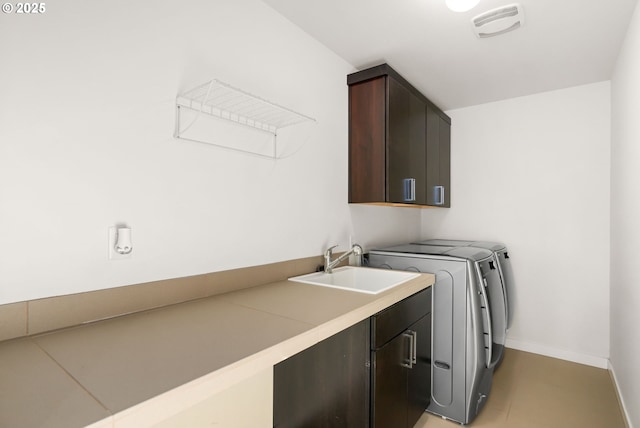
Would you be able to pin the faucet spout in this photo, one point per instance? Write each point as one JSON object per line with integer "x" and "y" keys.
{"x": 330, "y": 264}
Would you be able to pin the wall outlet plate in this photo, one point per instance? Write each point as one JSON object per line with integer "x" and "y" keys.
{"x": 113, "y": 254}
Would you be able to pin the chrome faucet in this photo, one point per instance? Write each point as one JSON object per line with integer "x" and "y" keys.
{"x": 329, "y": 265}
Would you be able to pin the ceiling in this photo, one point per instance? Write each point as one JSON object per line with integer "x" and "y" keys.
{"x": 562, "y": 43}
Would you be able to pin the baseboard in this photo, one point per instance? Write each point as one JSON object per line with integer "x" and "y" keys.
{"x": 563, "y": 354}
{"x": 625, "y": 413}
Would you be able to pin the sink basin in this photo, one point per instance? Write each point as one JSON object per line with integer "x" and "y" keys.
{"x": 360, "y": 279}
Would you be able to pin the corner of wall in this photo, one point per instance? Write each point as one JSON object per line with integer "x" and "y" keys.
{"x": 621, "y": 401}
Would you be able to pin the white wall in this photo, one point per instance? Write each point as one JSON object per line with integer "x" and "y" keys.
{"x": 86, "y": 124}
{"x": 625, "y": 227}
{"x": 533, "y": 172}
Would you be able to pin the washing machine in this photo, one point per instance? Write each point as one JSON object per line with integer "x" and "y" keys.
{"x": 503, "y": 260}
{"x": 467, "y": 341}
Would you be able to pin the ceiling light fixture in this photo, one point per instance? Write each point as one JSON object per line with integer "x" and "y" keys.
{"x": 461, "y": 5}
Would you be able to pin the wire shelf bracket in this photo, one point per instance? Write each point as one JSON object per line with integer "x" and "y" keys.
{"x": 223, "y": 101}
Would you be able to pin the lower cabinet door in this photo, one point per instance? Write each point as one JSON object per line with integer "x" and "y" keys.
{"x": 419, "y": 376}
{"x": 389, "y": 384}
{"x": 327, "y": 385}
{"x": 401, "y": 381}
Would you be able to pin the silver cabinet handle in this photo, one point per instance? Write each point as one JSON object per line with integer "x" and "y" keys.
{"x": 408, "y": 362}
{"x": 414, "y": 351}
{"x": 438, "y": 195}
{"x": 409, "y": 189}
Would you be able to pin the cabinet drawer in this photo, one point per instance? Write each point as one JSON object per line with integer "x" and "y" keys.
{"x": 387, "y": 324}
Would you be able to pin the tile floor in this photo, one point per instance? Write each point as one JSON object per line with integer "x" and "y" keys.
{"x": 533, "y": 391}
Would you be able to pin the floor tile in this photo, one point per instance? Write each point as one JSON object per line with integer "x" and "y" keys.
{"x": 534, "y": 391}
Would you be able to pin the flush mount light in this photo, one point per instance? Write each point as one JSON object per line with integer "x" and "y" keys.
{"x": 461, "y": 5}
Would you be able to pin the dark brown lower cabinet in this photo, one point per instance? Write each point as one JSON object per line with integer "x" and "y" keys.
{"x": 401, "y": 365}
{"x": 376, "y": 373}
{"x": 326, "y": 385}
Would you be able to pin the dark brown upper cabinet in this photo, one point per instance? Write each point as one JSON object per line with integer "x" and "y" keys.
{"x": 399, "y": 142}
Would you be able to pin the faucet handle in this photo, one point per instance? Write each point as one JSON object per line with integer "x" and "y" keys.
{"x": 358, "y": 252}
{"x": 329, "y": 251}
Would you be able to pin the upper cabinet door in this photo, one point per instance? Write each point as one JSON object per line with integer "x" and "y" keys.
{"x": 438, "y": 160}
{"x": 444, "y": 153}
{"x": 367, "y": 141}
{"x": 406, "y": 175}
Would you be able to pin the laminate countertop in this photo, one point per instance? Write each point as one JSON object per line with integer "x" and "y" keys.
{"x": 139, "y": 369}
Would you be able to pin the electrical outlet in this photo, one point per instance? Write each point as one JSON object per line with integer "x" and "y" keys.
{"x": 113, "y": 254}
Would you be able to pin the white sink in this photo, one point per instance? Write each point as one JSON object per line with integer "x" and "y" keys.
{"x": 360, "y": 279}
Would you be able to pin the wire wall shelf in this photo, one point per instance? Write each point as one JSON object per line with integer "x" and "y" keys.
{"x": 222, "y": 101}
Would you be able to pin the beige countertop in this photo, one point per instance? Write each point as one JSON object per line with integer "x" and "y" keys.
{"x": 136, "y": 370}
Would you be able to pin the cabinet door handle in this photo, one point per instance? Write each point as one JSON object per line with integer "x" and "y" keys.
{"x": 409, "y": 185}
{"x": 414, "y": 350}
{"x": 438, "y": 195}
{"x": 408, "y": 362}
